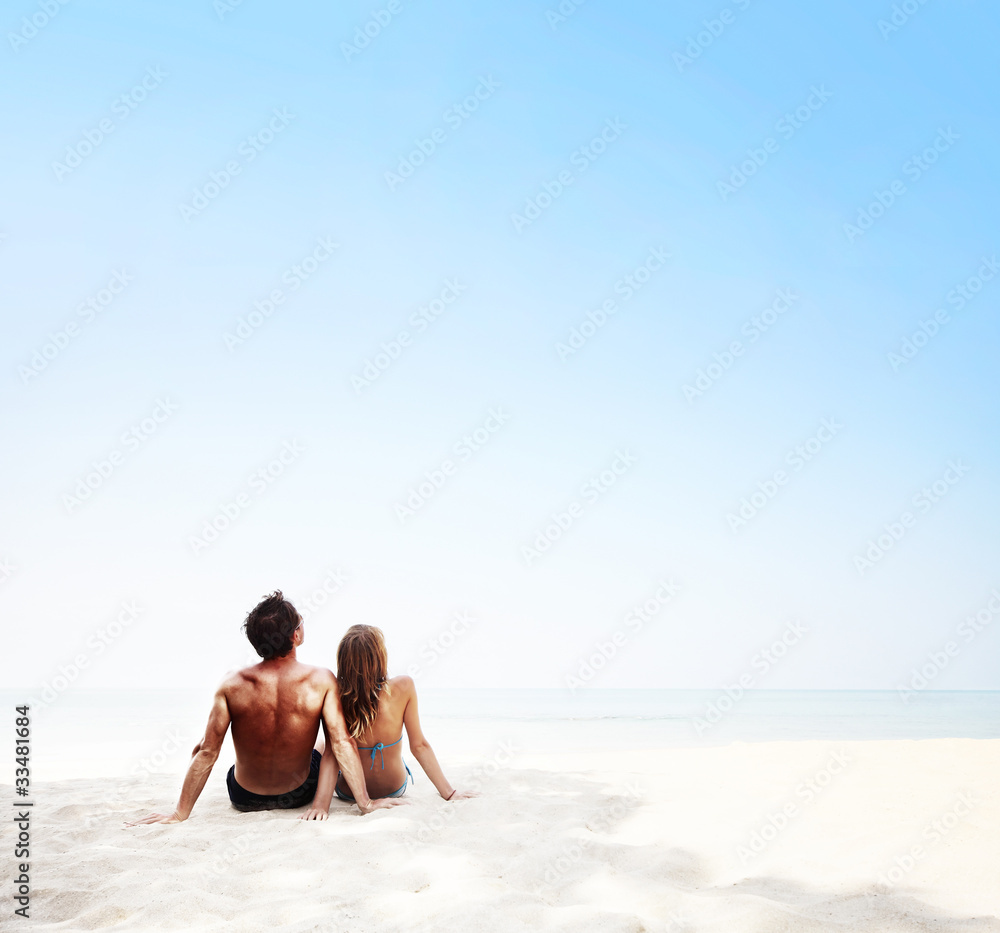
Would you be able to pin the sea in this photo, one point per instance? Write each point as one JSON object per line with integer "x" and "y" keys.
{"x": 85, "y": 734}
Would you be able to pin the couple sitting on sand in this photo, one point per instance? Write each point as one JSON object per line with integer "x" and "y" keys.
{"x": 276, "y": 707}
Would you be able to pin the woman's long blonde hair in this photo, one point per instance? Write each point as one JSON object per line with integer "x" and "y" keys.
{"x": 362, "y": 664}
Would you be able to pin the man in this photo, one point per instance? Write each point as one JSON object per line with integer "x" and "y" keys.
{"x": 275, "y": 708}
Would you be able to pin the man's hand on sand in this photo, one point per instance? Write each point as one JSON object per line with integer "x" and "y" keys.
{"x": 315, "y": 813}
{"x": 156, "y": 818}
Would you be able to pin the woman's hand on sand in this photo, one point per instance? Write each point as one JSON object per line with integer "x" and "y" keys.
{"x": 382, "y": 803}
{"x": 156, "y": 818}
{"x": 315, "y": 813}
{"x": 464, "y": 795}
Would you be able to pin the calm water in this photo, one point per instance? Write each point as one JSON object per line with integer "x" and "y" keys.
{"x": 758, "y": 715}
{"x": 87, "y": 733}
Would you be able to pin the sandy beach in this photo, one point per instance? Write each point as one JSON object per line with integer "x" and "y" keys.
{"x": 766, "y": 836}
{"x": 586, "y": 404}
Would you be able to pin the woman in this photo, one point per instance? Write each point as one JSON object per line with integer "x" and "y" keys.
{"x": 376, "y": 710}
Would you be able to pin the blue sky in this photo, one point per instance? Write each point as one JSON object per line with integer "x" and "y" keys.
{"x": 673, "y": 130}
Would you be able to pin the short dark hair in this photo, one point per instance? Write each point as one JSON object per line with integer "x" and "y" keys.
{"x": 270, "y": 626}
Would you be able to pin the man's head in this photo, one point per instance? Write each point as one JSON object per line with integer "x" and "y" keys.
{"x": 271, "y": 626}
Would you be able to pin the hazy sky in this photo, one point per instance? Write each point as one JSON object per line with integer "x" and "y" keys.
{"x": 513, "y": 308}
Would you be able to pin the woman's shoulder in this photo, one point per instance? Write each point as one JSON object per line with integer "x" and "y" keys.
{"x": 395, "y": 699}
{"x": 402, "y": 685}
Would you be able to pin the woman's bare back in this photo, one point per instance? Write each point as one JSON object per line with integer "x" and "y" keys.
{"x": 383, "y": 767}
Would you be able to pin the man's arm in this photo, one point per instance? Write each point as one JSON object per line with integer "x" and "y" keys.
{"x": 343, "y": 747}
{"x": 345, "y": 750}
{"x": 206, "y": 752}
{"x": 327, "y": 780}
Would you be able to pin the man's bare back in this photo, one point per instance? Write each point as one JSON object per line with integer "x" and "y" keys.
{"x": 275, "y": 714}
{"x": 275, "y": 708}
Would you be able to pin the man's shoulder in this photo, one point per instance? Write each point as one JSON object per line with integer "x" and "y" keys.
{"x": 308, "y": 673}
{"x": 321, "y": 676}
{"x": 237, "y": 678}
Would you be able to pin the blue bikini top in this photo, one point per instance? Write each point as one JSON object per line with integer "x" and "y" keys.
{"x": 377, "y": 750}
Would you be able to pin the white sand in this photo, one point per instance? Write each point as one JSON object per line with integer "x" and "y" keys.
{"x": 643, "y": 841}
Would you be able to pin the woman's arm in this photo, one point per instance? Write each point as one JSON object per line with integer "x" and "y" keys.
{"x": 421, "y": 748}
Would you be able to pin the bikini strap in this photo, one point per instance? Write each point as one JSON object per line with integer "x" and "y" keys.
{"x": 377, "y": 749}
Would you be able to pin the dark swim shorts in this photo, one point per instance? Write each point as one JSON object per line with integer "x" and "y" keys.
{"x": 247, "y": 800}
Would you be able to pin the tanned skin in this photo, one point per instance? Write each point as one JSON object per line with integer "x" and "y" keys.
{"x": 397, "y": 708}
{"x": 275, "y": 709}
